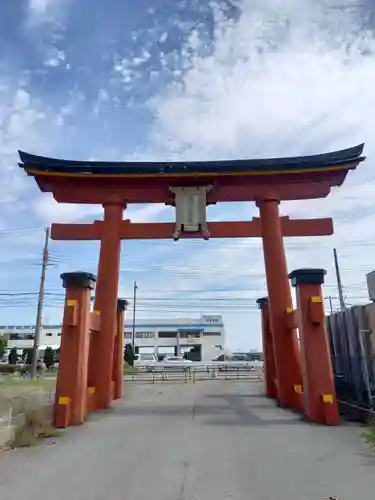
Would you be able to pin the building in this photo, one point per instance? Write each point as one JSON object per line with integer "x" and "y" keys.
{"x": 247, "y": 356}
{"x": 204, "y": 336}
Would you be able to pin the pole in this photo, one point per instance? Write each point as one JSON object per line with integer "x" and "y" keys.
{"x": 134, "y": 306}
{"x": 330, "y": 304}
{"x": 39, "y": 314}
{"x": 339, "y": 284}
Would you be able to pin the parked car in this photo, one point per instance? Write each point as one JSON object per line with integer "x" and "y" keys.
{"x": 176, "y": 362}
{"x": 147, "y": 361}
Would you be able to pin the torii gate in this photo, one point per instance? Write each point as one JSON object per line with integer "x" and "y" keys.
{"x": 191, "y": 186}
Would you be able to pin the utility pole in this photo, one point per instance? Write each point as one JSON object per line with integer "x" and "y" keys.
{"x": 339, "y": 284}
{"x": 134, "y": 306}
{"x": 39, "y": 314}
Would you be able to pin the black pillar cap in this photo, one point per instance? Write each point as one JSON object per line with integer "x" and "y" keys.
{"x": 122, "y": 304}
{"x": 78, "y": 279}
{"x": 262, "y": 302}
{"x": 307, "y": 276}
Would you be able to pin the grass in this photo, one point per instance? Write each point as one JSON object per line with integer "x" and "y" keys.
{"x": 30, "y": 401}
{"x": 130, "y": 370}
{"x": 6, "y": 382}
{"x": 35, "y": 425}
{"x": 369, "y": 435}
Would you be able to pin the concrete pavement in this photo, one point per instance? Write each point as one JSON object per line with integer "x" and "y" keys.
{"x": 214, "y": 440}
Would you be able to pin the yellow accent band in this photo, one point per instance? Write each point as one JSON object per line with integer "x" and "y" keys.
{"x": 91, "y": 390}
{"x": 64, "y": 400}
{"x": 298, "y": 389}
{"x": 71, "y": 302}
{"x": 289, "y": 310}
{"x": 33, "y": 171}
{"x": 316, "y": 299}
{"x": 96, "y": 313}
{"x": 327, "y": 398}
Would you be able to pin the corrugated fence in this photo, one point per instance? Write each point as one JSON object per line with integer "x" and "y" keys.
{"x": 352, "y": 341}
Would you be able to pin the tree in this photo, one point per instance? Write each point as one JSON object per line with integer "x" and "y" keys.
{"x": 3, "y": 346}
{"x": 27, "y": 356}
{"x": 129, "y": 355}
{"x": 13, "y": 356}
{"x": 49, "y": 358}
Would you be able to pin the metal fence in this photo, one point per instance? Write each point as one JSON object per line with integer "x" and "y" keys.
{"x": 195, "y": 372}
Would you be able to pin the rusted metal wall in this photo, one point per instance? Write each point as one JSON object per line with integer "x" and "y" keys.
{"x": 352, "y": 340}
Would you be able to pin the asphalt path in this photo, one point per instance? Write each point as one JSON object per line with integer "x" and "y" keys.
{"x": 213, "y": 440}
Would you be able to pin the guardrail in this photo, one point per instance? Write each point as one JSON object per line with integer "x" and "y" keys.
{"x": 198, "y": 366}
{"x": 194, "y": 373}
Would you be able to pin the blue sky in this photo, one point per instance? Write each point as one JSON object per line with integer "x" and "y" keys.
{"x": 168, "y": 79}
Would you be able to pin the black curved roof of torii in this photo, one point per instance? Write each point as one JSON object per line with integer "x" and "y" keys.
{"x": 35, "y": 165}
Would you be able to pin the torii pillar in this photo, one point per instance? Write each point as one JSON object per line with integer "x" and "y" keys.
{"x": 102, "y": 343}
{"x": 268, "y": 351}
{"x": 285, "y": 343}
{"x": 118, "y": 358}
{"x": 319, "y": 393}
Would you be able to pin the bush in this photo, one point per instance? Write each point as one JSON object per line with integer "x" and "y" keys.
{"x": 9, "y": 369}
{"x": 3, "y": 346}
{"x": 129, "y": 355}
{"x": 36, "y": 424}
{"x": 49, "y": 358}
{"x": 13, "y": 356}
{"x": 27, "y": 356}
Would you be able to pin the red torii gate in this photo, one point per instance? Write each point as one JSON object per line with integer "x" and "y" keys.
{"x": 115, "y": 185}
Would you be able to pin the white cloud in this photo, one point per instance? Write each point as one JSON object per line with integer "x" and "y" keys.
{"x": 48, "y": 210}
{"x": 22, "y": 125}
{"x": 55, "y": 58}
{"x": 265, "y": 90}
{"x": 44, "y": 11}
{"x": 41, "y": 7}
{"x": 281, "y": 81}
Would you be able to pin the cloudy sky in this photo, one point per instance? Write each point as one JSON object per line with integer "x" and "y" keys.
{"x": 190, "y": 79}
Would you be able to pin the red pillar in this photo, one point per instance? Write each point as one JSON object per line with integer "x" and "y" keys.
{"x": 102, "y": 343}
{"x": 268, "y": 355}
{"x": 118, "y": 356}
{"x": 318, "y": 382}
{"x": 288, "y": 369}
{"x": 71, "y": 392}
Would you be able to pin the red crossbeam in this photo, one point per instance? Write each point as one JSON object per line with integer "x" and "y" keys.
{"x": 164, "y": 230}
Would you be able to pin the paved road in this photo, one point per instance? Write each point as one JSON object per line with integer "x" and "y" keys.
{"x": 212, "y": 440}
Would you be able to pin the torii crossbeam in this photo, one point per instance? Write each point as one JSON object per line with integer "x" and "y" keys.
{"x": 163, "y": 230}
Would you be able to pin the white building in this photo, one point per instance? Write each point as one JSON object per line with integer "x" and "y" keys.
{"x": 159, "y": 336}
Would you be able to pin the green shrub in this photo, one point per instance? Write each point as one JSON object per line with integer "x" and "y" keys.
{"x": 3, "y": 346}
{"x": 8, "y": 369}
{"x": 27, "y": 356}
{"x": 129, "y": 355}
{"x": 49, "y": 358}
{"x": 13, "y": 356}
